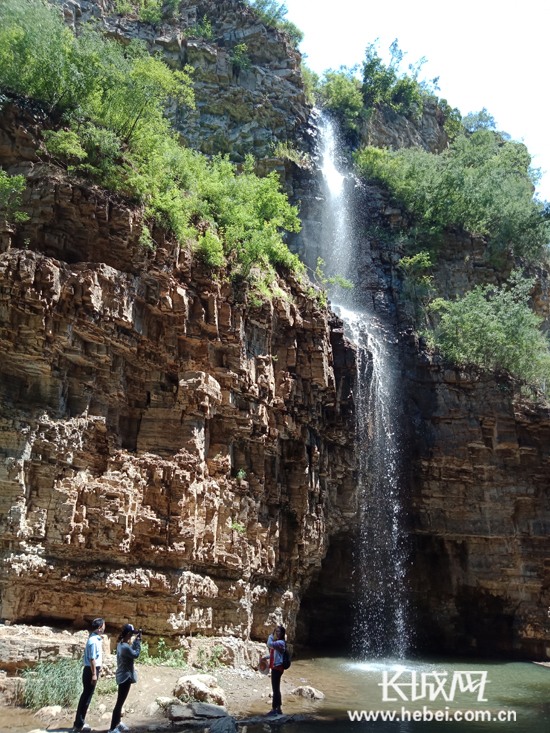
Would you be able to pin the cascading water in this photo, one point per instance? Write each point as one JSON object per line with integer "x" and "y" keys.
{"x": 380, "y": 626}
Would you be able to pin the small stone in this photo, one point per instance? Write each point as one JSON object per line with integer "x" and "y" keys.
{"x": 310, "y": 692}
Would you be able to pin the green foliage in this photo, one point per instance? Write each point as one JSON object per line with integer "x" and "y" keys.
{"x": 273, "y": 14}
{"x": 53, "y": 683}
{"x": 453, "y": 119}
{"x": 217, "y": 652}
{"x": 481, "y": 120}
{"x": 311, "y": 83}
{"x": 210, "y": 250}
{"x": 115, "y": 109}
{"x": 121, "y": 88}
{"x": 322, "y": 281}
{"x": 417, "y": 281}
{"x": 203, "y": 29}
{"x": 239, "y": 58}
{"x": 11, "y": 188}
{"x": 340, "y": 92}
{"x": 481, "y": 184}
{"x": 241, "y": 473}
{"x": 165, "y": 656}
{"x": 495, "y": 329}
{"x": 107, "y": 686}
{"x": 64, "y": 144}
{"x": 150, "y": 11}
{"x": 291, "y": 152}
{"x": 386, "y": 86}
{"x": 238, "y": 527}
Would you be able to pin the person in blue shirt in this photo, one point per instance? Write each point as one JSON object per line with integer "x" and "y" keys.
{"x": 93, "y": 658}
{"x": 277, "y": 645}
{"x": 125, "y": 672}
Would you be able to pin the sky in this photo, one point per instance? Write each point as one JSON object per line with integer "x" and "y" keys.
{"x": 486, "y": 54}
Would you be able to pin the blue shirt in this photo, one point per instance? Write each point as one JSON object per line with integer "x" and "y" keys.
{"x": 93, "y": 650}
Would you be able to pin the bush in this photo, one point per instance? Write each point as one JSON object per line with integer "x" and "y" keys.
{"x": 239, "y": 58}
{"x": 53, "y": 683}
{"x": 165, "y": 656}
{"x": 311, "y": 83}
{"x": 340, "y": 92}
{"x": 495, "y": 329}
{"x": 482, "y": 184}
{"x": 115, "y": 109}
{"x": 386, "y": 86}
{"x": 273, "y": 14}
{"x": 11, "y": 188}
{"x": 203, "y": 30}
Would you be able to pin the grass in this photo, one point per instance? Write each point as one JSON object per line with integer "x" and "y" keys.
{"x": 165, "y": 656}
{"x": 53, "y": 683}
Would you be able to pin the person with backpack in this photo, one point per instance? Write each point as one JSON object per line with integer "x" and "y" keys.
{"x": 93, "y": 656}
{"x": 279, "y": 660}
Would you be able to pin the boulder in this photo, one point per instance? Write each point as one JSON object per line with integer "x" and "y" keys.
{"x": 224, "y": 725}
{"x": 310, "y": 692}
{"x": 49, "y": 712}
{"x": 193, "y": 710}
{"x": 204, "y": 710}
{"x": 180, "y": 712}
{"x": 202, "y": 687}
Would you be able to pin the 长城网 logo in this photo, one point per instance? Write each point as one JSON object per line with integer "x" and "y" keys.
{"x": 409, "y": 685}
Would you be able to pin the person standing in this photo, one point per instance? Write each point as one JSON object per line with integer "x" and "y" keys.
{"x": 277, "y": 647}
{"x": 93, "y": 659}
{"x": 125, "y": 672}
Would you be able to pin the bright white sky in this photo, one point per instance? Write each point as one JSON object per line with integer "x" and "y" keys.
{"x": 486, "y": 53}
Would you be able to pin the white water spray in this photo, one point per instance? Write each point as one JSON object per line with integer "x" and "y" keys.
{"x": 380, "y": 626}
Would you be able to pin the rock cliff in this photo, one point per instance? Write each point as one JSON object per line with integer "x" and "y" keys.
{"x": 169, "y": 455}
{"x": 238, "y": 111}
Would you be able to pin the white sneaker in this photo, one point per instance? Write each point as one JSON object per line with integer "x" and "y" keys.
{"x": 115, "y": 730}
{"x": 123, "y": 728}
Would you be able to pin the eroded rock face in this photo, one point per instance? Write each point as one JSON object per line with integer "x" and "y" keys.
{"x": 169, "y": 455}
{"x": 481, "y": 514}
{"x": 385, "y": 129}
{"x": 237, "y": 111}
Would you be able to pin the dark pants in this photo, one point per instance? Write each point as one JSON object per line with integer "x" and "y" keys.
{"x": 123, "y": 691}
{"x": 276, "y": 675}
{"x": 86, "y": 697}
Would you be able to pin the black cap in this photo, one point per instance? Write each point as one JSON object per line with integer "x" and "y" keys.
{"x": 127, "y": 629}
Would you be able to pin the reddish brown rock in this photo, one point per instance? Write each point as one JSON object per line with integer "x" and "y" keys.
{"x": 134, "y": 389}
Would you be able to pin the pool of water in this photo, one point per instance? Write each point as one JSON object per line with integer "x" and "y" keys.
{"x": 465, "y": 695}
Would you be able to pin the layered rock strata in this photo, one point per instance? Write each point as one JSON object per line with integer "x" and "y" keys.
{"x": 170, "y": 456}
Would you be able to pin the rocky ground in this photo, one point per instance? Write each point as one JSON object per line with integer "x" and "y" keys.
{"x": 247, "y": 693}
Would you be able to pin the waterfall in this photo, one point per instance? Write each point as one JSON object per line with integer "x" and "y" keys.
{"x": 380, "y": 624}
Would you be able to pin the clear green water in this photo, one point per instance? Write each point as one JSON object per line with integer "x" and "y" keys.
{"x": 511, "y": 686}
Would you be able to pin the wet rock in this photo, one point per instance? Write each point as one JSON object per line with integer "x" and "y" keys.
{"x": 306, "y": 691}
{"x": 223, "y": 725}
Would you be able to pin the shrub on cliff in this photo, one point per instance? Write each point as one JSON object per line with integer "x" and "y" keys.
{"x": 383, "y": 86}
{"x": 273, "y": 14}
{"x": 496, "y": 329}
{"x": 482, "y": 184}
{"x": 113, "y": 99}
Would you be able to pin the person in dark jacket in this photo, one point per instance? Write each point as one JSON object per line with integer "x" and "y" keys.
{"x": 125, "y": 672}
{"x": 277, "y": 646}
{"x": 93, "y": 656}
